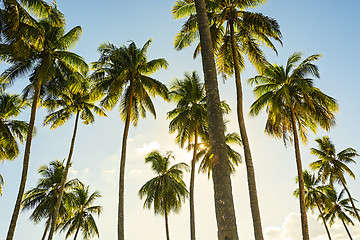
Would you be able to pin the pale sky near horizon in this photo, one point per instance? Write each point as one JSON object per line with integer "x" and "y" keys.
{"x": 308, "y": 26}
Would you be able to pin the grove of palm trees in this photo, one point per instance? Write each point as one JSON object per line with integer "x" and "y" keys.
{"x": 226, "y": 119}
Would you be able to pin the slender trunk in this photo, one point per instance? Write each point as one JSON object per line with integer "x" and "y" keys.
{"x": 347, "y": 230}
{"x": 77, "y": 230}
{"x": 192, "y": 183}
{"x": 224, "y": 204}
{"x": 15, "y": 215}
{"x": 46, "y": 228}
{"x": 63, "y": 179}
{"x": 324, "y": 221}
{"x": 167, "y": 224}
{"x": 121, "y": 234}
{"x": 351, "y": 199}
{"x": 304, "y": 223}
{"x": 254, "y": 205}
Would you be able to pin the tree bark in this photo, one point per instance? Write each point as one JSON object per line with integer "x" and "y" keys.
{"x": 224, "y": 204}
{"x": 15, "y": 215}
{"x": 192, "y": 183}
{"x": 254, "y": 205}
{"x": 167, "y": 224}
{"x": 121, "y": 233}
{"x": 351, "y": 200}
{"x": 324, "y": 221}
{"x": 63, "y": 179}
{"x": 304, "y": 222}
{"x": 347, "y": 230}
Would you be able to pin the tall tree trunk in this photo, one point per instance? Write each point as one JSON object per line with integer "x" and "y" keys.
{"x": 46, "y": 228}
{"x": 304, "y": 222}
{"x": 121, "y": 233}
{"x": 15, "y": 215}
{"x": 351, "y": 200}
{"x": 77, "y": 230}
{"x": 63, "y": 179}
{"x": 254, "y": 205}
{"x": 167, "y": 224}
{"x": 224, "y": 204}
{"x": 192, "y": 183}
{"x": 347, "y": 230}
{"x": 324, "y": 221}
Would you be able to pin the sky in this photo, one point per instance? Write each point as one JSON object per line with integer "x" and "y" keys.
{"x": 322, "y": 26}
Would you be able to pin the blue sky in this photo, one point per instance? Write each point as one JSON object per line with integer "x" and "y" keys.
{"x": 321, "y": 26}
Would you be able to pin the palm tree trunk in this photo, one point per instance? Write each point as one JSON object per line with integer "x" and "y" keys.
{"x": 15, "y": 215}
{"x": 121, "y": 220}
{"x": 77, "y": 231}
{"x": 63, "y": 179}
{"x": 304, "y": 222}
{"x": 351, "y": 199}
{"x": 324, "y": 221}
{"x": 254, "y": 205}
{"x": 167, "y": 224}
{"x": 347, "y": 230}
{"x": 224, "y": 204}
{"x": 192, "y": 183}
{"x": 46, "y": 228}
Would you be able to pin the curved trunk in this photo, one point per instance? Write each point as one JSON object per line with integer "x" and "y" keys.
{"x": 167, "y": 224}
{"x": 15, "y": 215}
{"x": 304, "y": 223}
{"x": 224, "y": 204}
{"x": 254, "y": 205}
{"x": 324, "y": 221}
{"x": 192, "y": 183}
{"x": 121, "y": 234}
{"x": 63, "y": 180}
{"x": 347, "y": 230}
{"x": 46, "y": 228}
{"x": 351, "y": 200}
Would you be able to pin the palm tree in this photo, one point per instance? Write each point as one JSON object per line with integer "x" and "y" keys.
{"x": 293, "y": 105}
{"x": 224, "y": 203}
{"x": 332, "y": 165}
{"x": 82, "y": 215}
{"x": 189, "y": 119}
{"x": 206, "y": 155}
{"x": 2, "y": 183}
{"x": 339, "y": 209}
{"x": 315, "y": 195}
{"x": 123, "y": 76}
{"x": 235, "y": 33}
{"x": 47, "y": 58}
{"x": 10, "y": 129}
{"x": 167, "y": 190}
{"x": 43, "y": 197}
{"x": 78, "y": 100}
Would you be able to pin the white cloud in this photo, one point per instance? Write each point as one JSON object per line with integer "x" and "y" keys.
{"x": 146, "y": 148}
{"x": 135, "y": 172}
{"x": 73, "y": 172}
{"x": 291, "y": 229}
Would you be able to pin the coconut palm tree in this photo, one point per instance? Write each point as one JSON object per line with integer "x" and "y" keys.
{"x": 332, "y": 166}
{"x": 123, "y": 75}
{"x": 339, "y": 209}
{"x": 235, "y": 33}
{"x": 78, "y": 100}
{"x": 82, "y": 213}
{"x": 11, "y": 130}
{"x": 2, "y": 183}
{"x": 293, "y": 105}
{"x": 189, "y": 120}
{"x": 43, "y": 197}
{"x": 167, "y": 190}
{"x": 205, "y": 155}
{"x": 224, "y": 203}
{"x": 47, "y": 58}
{"x": 315, "y": 196}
